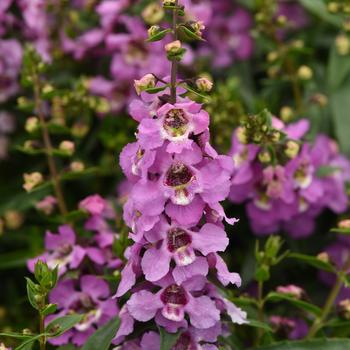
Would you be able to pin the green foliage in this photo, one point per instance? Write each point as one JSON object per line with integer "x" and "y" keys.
{"x": 103, "y": 337}
{"x": 167, "y": 340}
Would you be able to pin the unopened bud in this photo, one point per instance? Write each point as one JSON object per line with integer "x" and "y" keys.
{"x": 333, "y": 7}
{"x": 282, "y": 20}
{"x": 241, "y": 134}
{"x": 77, "y": 166}
{"x": 264, "y": 157}
{"x": 47, "y": 205}
{"x": 80, "y": 129}
{"x": 272, "y": 56}
{"x": 344, "y": 308}
{"x": 342, "y": 44}
{"x": 320, "y": 99}
{"x": 47, "y": 89}
{"x": 305, "y": 73}
{"x": 292, "y": 149}
{"x": 323, "y": 257}
{"x": 153, "y": 13}
{"x": 204, "y": 84}
{"x": 67, "y": 147}
{"x": 298, "y": 44}
{"x": 173, "y": 47}
{"x": 103, "y": 106}
{"x": 13, "y": 219}
{"x": 273, "y": 71}
{"x": 146, "y": 82}
{"x": 32, "y": 180}
{"x": 291, "y": 289}
{"x": 32, "y": 124}
{"x": 286, "y": 113}
{"x": 197, "y": 27}
{"x": 344, "y": 224}
{"x": 169, "y": 2}
{"x": 152, "y": 31}
{"x": 275, "y": 136}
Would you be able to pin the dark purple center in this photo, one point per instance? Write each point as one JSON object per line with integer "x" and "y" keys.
{"x": 84, "y": 304}
{"x": 184, "y": 342}
{"x": 174, "y": 294}
{"x": 64, "y": 249}
{"x": 175, "y": 122}
{"x": 177, "y": 238}
{"x": 178, "y": 175}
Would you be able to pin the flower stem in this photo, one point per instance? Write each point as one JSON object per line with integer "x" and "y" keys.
{"x": 174, "y": 62}
{"x": 260, "y": 309}
{"x": 318, "y": 323}
{"x": 48, "y": 146}
{"x": 42, "y": 340}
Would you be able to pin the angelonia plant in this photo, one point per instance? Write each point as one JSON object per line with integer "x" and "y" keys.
{"x": 177, "y": 183}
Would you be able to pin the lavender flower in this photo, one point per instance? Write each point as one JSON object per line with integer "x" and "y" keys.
{"x": 91, "y": 297}
{"x": 176, "y": 177}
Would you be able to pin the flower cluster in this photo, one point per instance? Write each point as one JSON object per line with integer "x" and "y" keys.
{"x": 288, "y": 189}
{"x": 173, "y": 209}
{"x": 81, "y": 263}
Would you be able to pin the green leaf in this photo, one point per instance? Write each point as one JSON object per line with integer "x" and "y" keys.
{"x": 62, "y": 324}
{"x": 67, "y": 347}
{"x": 258, "y": 324}
{"x": 103, "y": 337}
{"x": 32, "y": 292}
{"x": 276, "y": 297}
{"x": 29, "y": 342}
{"x": 319, "y": 9}
{"x": 155, "y": 90}
{"x": 316, "y": 344}
{"x": 49, "y": 309}
{"x": 167, "y": 340}
{"x": 313, "y": 261}
{"x": 340, "y": 106}
{"x": 324, "y": 171}
{"x": 159, "y": 35}
{"x": 188, "y": 88}
{"x": 343, "y": 231}
{"x": 338, "y": 68}
{"x": 15, "y": 335}
{"x": 190, "y": 34}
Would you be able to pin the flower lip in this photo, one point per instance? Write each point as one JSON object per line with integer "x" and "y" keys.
{"x": 175, "y": 122}
{"x": 175, "y": 295}
{"x": 177, "y": 239}
{"x": 178, "y": 176}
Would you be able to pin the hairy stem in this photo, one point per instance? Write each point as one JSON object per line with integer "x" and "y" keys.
{"x": 48, "y": 146}
{"x": 318, "y": 323}
{"x": 174, "y": 63}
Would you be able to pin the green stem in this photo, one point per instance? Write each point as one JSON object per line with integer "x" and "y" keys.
{"x": 174, "y": 63}
{"x": 318, "y": 323}
{"x": 48, "y": 146}
{"x": 260, "y": 308}
{"x": 42, "y": 340}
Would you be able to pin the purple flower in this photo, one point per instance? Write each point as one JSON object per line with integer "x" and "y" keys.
{"x": 62, "y": 251}
{"x": 10, "y": 63}
{"x": 91, "y": 297}
{"x": 229, "y": 33}
{"x": 178, "y": 243}
{"x": 173, "y": 123}
{"x": 94, "y": 204}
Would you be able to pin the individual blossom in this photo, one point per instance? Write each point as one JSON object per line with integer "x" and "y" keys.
{"x": 291, "y": 327}
{"x": 173, "y": 123}
{"x": 89, "y": 296}
{"x": 47, "y": 205}
{"x": 63, "y": 251}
